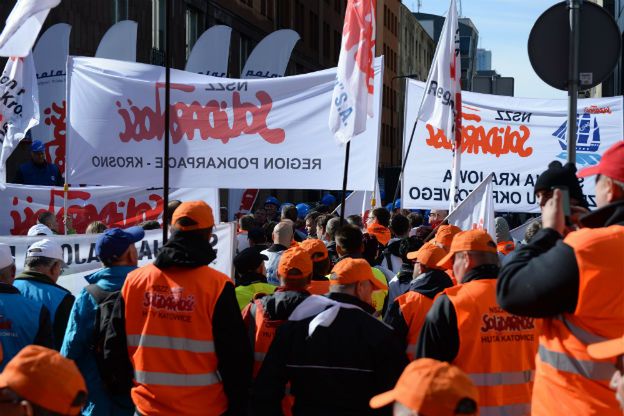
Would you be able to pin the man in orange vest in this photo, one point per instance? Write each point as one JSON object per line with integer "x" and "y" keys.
{"x": 407, "y": 313}
{"x": 575, "y": 283}
{"x": 186, "y": 338}
{"x": 466, "y": 327}
{"x": 320, "y": 265}
{"x": 264, "y": 315}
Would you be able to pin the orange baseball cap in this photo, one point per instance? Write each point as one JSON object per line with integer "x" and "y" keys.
{"x": 429, "y": 255}
{"x": 472, "y": 240}
{"x": 606, "y": 349}
{"x": 295, "y": 258}
{"x": 198, "y": 211}
{"x": 46, "y": 378}
{"x": 315, "y": 247}
{"x": 350, "y": 270}
{"x": 432, "y": 387}
{"x": 446, "y": 233}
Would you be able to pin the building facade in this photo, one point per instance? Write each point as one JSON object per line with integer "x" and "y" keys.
{"x": 484, "y": 60}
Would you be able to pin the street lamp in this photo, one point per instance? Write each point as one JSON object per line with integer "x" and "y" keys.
{"x": 392, "y": 111}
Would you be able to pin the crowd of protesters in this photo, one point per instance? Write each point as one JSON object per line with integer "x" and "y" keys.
{"x": 392, "y": 313}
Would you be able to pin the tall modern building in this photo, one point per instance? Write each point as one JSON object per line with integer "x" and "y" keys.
{"x": 484, "y": 60}
{"x": 468, "y": 41}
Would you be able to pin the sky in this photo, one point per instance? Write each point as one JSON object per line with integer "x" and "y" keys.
{"x": 504, "y": 27}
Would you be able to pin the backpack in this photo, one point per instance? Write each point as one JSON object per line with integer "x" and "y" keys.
{"x": 109, "y": 341}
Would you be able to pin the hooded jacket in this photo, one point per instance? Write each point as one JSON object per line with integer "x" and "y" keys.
{"x": 79, "y": 341}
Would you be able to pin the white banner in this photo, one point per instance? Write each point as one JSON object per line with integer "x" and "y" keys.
{"x": 353, "y": 95}
{"x": 119, "y": 42}
{"x": 115, "y": 206}
{"x": 23, "y": 26}
{"x": 225, "y": 133}
{"x": 518, "y": 233}
{"x": 19, "y": 106}
{"x": 513, "y": 138}
{"x": 476, "y": 212}
{"x": 50, "y": 56}
{"x": 211, "y": 52}
{"x": 79, "y": 253}
{"x": 270, "y": 57}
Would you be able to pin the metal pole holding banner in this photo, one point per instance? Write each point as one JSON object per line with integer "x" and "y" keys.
{"x": 168, "y": 25}
{"x": 574, "y": 7}
{"x": 344, "y": 182}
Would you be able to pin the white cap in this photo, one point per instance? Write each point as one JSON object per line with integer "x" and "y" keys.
{"x": 46, "y": 248}
{"x": 39, "y": 229}
{"x": 6, "y": 258}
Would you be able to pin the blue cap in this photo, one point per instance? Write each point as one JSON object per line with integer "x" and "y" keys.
{"x": 115, "y": 241}
{"x": 302, "y": 210}
{"x": 272, "y": 201}
{"x": 328, "y": 199}
{"x": 397, "y": 203}
{"x": 37, "y": 146}
{"x": 389, "y": 207}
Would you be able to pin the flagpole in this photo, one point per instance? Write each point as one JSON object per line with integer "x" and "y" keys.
{"x": 165, "y": 216}
{"x": 344, "y": 182}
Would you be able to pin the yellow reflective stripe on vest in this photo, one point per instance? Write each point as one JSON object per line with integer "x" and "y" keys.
{"x": 500, "y": 379}
{"x": 175, "y": 379}
{"x": 171, "y": 343}
{"x": 589, "y": 369}
{"x": 520, "y": 409}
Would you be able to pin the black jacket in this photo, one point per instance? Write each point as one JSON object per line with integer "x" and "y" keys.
{"x": 428, "y": 284}
{"x": 439, "y": 337}
{"x": 332, "y": 251}
{"x": 333, "y": 372}
{"x": 542, "y": 278}
{"x": 232, "y": 347}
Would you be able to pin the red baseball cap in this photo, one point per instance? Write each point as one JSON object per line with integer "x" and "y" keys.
{"x": 611, "y": 164}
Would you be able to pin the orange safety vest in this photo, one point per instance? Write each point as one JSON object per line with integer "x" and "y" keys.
{"x": 505, "y": 247}
{"x": 319, "y": 287}
{"x": 565, "y": 372}
{"x": 496, "y": 349}
{"x": 168, "y": 318}
{"x": 414, "y": 307}
{"x": 451, "y": 275}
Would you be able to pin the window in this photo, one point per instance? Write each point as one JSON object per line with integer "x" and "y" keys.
{"x": 193, "y": 23}
{"x": 299, "y": 18}
{"x": 244, "y": 50}
{"x": 121, "y": 11}
{"x": 283, "y": 14}
{"x": 158, "y": 24}
{"x": 326, "y": 40}
{"x": 266, "y": 8}
{"x": 314, "y": 31}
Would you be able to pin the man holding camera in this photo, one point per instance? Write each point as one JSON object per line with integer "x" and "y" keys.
{"x": 576, "y": 284}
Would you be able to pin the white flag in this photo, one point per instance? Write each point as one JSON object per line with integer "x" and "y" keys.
{"x": 119, "y": 42}
{"x": 23, "y": 26}
{"x": 270, "y": 57}
{"x": 476, "y": 212}
{"x": 19, "y": 106}
{"x": 352, "y": 99}
{"x": 211, "y": 52}
{"x": 441, "y": 105}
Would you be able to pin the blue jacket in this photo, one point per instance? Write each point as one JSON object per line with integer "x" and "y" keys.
{"x": 40, "y": 288}
{"x": 22, "y": 322}
{"x": 79, "y": 341}
{"x": 47, "y": 174}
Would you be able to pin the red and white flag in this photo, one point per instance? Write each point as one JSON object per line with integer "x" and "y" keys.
{"x": 441, "y": 105}
{"x": 19, "y": 105}
{"x": 23, "y": 26}
{"x": 352, "y": 100}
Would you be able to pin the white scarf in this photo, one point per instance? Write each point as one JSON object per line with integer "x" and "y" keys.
{"x": 324, "y": 308}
